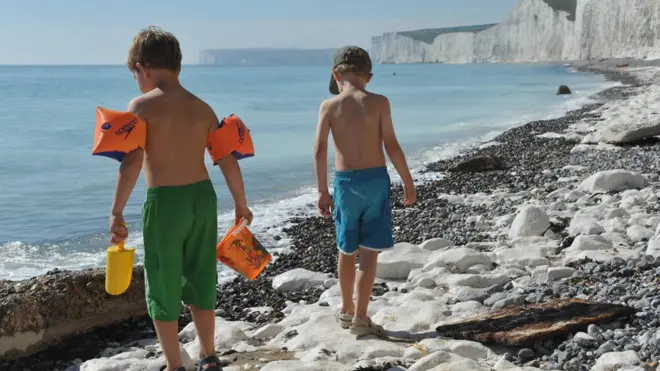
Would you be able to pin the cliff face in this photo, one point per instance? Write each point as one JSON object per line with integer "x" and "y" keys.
{"x": 536, "y": 30}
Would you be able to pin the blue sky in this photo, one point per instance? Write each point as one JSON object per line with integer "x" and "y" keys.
{"x": 100, "y": 32}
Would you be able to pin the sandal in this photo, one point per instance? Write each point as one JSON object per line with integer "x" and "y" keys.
{"x": 344, "y": 320}
{"x": 361, "y": 327}
{"x": 177, "y": 369}
{"x": 213, "y": 363}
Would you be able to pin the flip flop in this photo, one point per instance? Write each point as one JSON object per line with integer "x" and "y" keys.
{"x": 360, "y": 327}
{"x": 177, "y": 369}
{"x": 344, "y": 320}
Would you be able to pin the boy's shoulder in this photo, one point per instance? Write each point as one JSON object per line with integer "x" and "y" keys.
{"x": 140, "y": 103}
{"x": 337, "y": 100}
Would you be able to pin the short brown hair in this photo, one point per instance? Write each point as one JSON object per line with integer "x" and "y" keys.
{"x": 155, "y": 48}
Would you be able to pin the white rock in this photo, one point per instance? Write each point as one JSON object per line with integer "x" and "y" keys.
{"x": 612, "y": 180}
{"x": 397, "y": 263}
{"x": 561, "y": 192}
{"x": 616, "y": 360}
{"x": 470, "y": 349}
{"x": 574, "y": 195}
{"x": 616, "y": 239}
{"x": 598, "y": 255}
{"x": 623, "y": 130}
{"x": 133, "y": 361}
{"x": 304, "y": 366}
{"x": 530, "y": 221}
{"x": 435, "y": 244}
{"x": 540, "y": 274}
{"x": 653, "y": 248}
{"x": 638, "y": 233}
{"x": 582, "y": 226}
{"x": 298, "y": 279}
{"x": 317, "y": 328}
{"x": 588, "y": 243}
{"x": 460, "y": 259}
{"x": 267, "y": 332}
{"x": 617, "y": 213}
{"x": 443, "y": 361}
{"x": 531, "y": 256}
{"x": 558, "y": 273}
{"x": 477, "y": 281}
{"x": 615, "y": 225}
{"x": 227, "y": 335}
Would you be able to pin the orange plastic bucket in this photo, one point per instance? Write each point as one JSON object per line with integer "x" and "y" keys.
{"x": 240, "y": 251}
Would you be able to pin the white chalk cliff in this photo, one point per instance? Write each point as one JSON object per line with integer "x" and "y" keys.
{"x": 536, "y": 30}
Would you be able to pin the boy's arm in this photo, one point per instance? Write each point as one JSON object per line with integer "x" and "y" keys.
{"x": 321, "y": 160}
{"x": 231, "y": 171}
{"x": 395, "y": 153}
{"x": 129, "y": 172}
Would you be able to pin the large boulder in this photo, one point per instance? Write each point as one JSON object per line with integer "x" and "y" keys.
{"x": 397, "y": 263}
{"x": 530, "y": 221}
{"x": 40, "y": 311}
{"x": 459, "y": 259}
{"x": 563, "y": 90}
{"x": 298, "y": 279}
{"x": 478, "y": 164}
{"x": 622, "y": 129}
{"x": 612, "y": 180}
{"x": 617, "y": 361}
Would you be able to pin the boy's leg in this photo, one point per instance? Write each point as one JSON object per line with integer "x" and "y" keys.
{"x": 346, "y": 272}
{"x": 375, "y": 235}
{"x": 347, "y": 216}
{"x": 200, "y": 268}
{"x": 164, "y": 232}
{"x": 365, "y": 281}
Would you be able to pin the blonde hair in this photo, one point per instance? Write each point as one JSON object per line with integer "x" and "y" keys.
{"x": 155, "y": 48}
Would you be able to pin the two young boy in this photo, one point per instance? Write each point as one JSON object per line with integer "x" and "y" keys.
{"x": 180, "y": 210}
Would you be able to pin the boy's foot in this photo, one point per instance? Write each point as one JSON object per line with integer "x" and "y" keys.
{"x": 361, "y": 327}
{"x": 344, "y": 319}
{"x": 211, "y": 363}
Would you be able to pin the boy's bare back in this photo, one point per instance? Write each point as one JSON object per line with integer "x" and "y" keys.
{"x": 358, "y": 121}
{"x": 178, "y": 124}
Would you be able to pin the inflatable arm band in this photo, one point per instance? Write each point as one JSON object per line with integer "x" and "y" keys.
{"x": 231, "y": 137}
{"x": 118, "y": 133}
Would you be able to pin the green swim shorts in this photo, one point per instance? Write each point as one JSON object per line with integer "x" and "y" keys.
{"x": 180, "y": 236}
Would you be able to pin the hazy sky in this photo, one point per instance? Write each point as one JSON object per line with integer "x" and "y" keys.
{"x": 100, "y": 31}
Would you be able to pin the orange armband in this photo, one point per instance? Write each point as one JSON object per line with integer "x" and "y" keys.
{"x": 231, "y": 137}
{"x": 118, "y": 133}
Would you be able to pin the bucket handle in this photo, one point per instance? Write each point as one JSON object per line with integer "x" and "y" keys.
{"x": 120, "y": 246}
{"x": 242, "y": 225}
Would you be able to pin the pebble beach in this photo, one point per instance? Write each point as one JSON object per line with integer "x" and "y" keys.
{"x": 569, "y": 210}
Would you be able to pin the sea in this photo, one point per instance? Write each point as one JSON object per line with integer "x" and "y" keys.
{"x": 55, "y": 196}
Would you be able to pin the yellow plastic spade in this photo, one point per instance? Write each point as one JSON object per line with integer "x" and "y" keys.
{"x": 119, "y": 269}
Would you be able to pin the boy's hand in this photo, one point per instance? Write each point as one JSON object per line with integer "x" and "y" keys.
{"x": 325, "y": 204}
{"x": 118, "y": 230}
{"x": 243, "y": 212}
{"x": 409, "y": 194}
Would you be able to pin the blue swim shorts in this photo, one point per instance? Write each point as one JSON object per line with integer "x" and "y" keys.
{"x": 363, "y": 213}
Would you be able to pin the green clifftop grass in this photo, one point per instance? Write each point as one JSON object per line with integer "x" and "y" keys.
{"x": 429, "y": 34}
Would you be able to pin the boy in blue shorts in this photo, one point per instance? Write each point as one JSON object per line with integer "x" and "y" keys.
{"x": 361, "y": 124}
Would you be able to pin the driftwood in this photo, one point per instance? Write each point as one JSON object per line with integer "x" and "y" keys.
{"x": 517, "y": 326}
{"x": 38, "y": 312}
